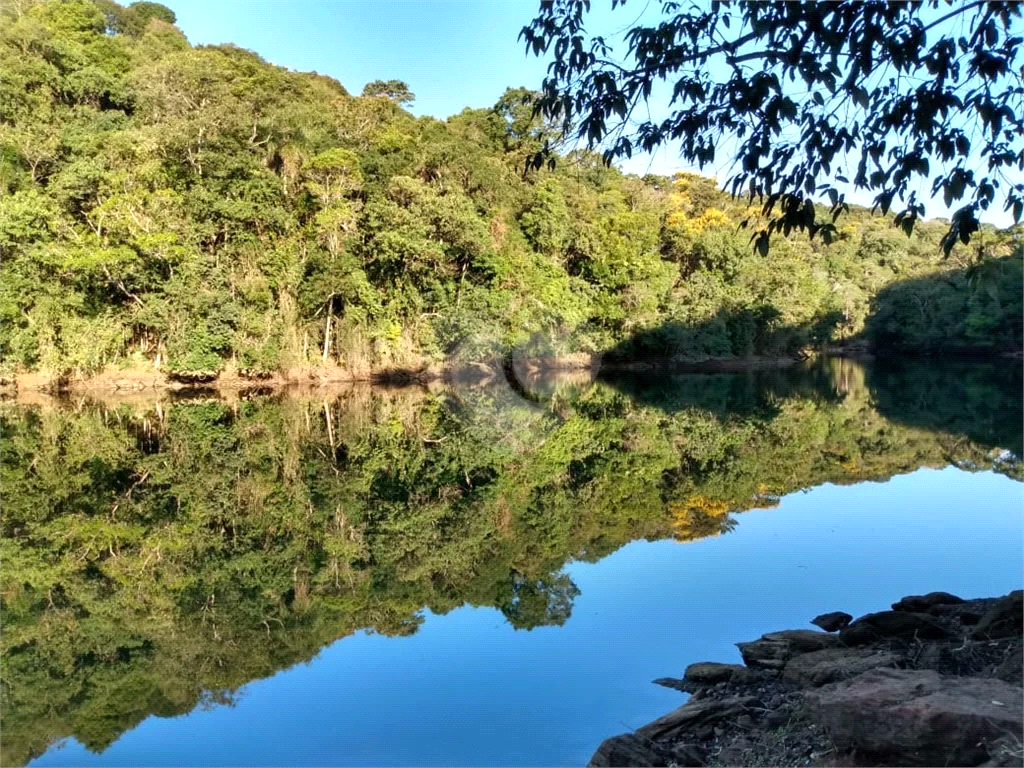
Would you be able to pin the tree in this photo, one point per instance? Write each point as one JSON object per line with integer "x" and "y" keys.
{"x": 900, "y": 92}
{"x": 396, "y": 90}
{"x": 133, "y": 19}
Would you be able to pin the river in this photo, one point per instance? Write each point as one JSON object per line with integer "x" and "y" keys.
{"x": 470, "y": 573}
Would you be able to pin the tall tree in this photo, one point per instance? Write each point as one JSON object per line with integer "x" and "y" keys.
{"x": 396, "y": 90}
{"x": 895, "y": 91}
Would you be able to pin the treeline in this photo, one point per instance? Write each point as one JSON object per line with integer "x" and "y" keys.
{"x": 160, "y": 555}
{"x": 196, "y": 209}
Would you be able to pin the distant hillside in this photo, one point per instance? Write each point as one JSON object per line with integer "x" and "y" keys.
{"x": 196, "y": 210}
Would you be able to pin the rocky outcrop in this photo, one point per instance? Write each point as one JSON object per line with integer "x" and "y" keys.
{"x": 705, "y": 673}
{"x": 830, "y": 665}
{"x": 773, "y": 650}
{"x": 918, "y": 603}
{"x": 937, "y": 680}
{"x": 917, "y": 716}
{"x": 1004, "y": 619}
{"x": 630, "y": 749}
{"x": 898, "y": 624}
{"x": 698, "y": 716}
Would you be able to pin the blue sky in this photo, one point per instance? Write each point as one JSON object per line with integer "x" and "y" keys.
{"x": 452, "y": 53}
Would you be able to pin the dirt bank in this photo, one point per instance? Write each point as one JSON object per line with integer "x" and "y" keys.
{"x": 112, "y": 381}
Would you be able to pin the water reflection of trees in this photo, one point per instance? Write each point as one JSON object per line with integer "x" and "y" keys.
{"x": 158, "y": 555}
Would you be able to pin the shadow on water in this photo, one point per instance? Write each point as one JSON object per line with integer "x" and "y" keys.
{"x": 752, "y": 393}
{"x": 981, "y": 401}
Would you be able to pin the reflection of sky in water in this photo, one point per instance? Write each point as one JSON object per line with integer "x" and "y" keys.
{"x": 468, "y": 689}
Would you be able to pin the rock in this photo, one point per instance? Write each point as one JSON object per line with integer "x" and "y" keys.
{"x": 918, "y": 717}
{"x": 804, "y": 640}
{"x": 1004, "y": 619}
{"x": 1011, "y": 670}
{"x": 687, "y": 755}
{"x": 673, "y": 682}
{"x": 703, "y": 732}
{"x": 695, "y": 714}
{"x": 901, "y": 624}
{"x": 630, "y": 749}
{"x": 830, "y": 665}
{"x": 932, "y": 656}
{"x": 773, "y": 650}
{"x": 967, "y": 613}
{"x": 709, "y": 672}
{"x": 1004, "y": 752}
{"x": 778, "y": 718}
{"x": 735, "y": 753}
{"x": 920, "y": 603}
{"x": 706, "y": 674}
{"x": 832, "y": 622}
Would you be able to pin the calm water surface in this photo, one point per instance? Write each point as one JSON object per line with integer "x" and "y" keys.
{"x": 462, "y": 577}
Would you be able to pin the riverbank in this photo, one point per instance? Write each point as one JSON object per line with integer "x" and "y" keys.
{"x": 146, "y": 379}
{"x": 110, "y": 381}
{"x": 937, "y": 680}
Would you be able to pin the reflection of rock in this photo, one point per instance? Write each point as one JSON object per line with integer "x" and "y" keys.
{"x": 832, "y": 622}
{"x": 916, "y": 716}
{"x": 901, "y": 624}
{"x": 773, "y": 650}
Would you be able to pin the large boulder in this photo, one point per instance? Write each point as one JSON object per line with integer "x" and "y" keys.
{"x": 894, "y": 624}
{"x": 1004, "y": 619}
{"x": 831, "y": 665}
{"x": 918, "y": 717}
{"x": 773, "y": 650}
{"x": 921, "y": 603}
{"x": 705, "y": 674}
{"x": 710, "y": 673}
{"x": 832, "y": 622}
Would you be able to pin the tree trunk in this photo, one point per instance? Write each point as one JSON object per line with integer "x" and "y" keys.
{"x": 327, "y": 333}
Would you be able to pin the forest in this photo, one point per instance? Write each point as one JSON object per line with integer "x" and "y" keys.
{"x": 160, "y": 554}
{"x": 197, "y": 212}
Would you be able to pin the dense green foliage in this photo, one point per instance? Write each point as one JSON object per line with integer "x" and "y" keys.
{"x": 160, "y": 555}
{"x": 195, "y": 210}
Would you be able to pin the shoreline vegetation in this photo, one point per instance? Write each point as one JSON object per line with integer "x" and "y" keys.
{"x": 155, "y": 381}
{"x": 198, "y": 212}
{"x": 936, "y": 680}
{"x": 141, "y": 381}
